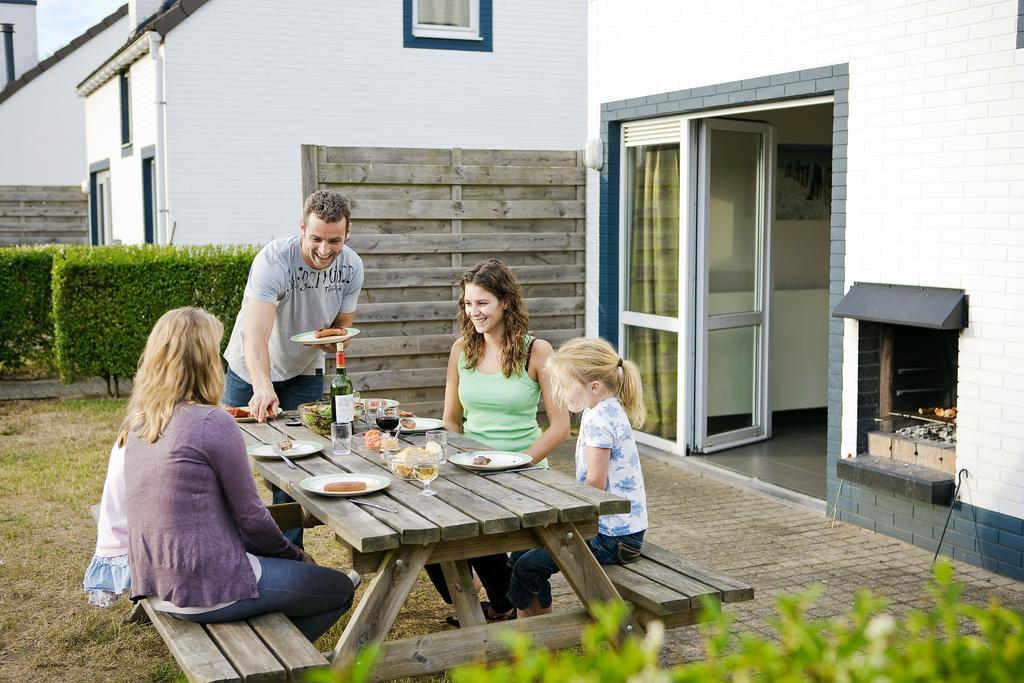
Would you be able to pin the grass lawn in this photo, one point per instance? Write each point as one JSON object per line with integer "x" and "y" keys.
{"x": 53, "y": 460}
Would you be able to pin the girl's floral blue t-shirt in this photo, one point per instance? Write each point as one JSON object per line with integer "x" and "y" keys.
{"x": 607, "y": 426}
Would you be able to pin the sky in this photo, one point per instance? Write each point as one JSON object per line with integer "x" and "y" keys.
{"x": 58, "y": 22}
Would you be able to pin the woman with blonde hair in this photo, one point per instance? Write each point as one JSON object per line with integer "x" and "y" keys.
{"x": 201, "y": 544}
{"x": 495, "y": 380}
{"x": 588, "y": 375}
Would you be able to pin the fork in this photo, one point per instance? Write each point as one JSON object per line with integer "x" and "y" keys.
{"x": 273, "y": 425}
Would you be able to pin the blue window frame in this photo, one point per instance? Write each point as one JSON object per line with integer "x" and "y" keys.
{"x": 420, "y": 36}
{"x": 126, "y": 112}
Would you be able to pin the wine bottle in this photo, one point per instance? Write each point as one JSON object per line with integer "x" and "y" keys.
{"x": 342, "y": 404}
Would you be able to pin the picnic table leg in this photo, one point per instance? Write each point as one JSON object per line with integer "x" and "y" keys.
{"x": 581, "y": 569}
{"x": 459, "y": 578}
{"x": 372, "y": 618}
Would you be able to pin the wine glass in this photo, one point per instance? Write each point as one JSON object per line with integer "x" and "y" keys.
{"x": 388, "y": 422}
{"x": 370, "y": 407}
{"x": 426, "y": 470}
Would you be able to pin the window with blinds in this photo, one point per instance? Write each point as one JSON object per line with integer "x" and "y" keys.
{"x": 452, "y": 19}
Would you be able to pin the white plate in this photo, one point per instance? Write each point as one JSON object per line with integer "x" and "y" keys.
{"x": 309, "y": 338}
{"x": 384, "y": 402}
{"x": 423, "y": 424}
{"x": 374, "y": 482}
{"x": 299, "y": 449}
{"x": 500, "y": 460}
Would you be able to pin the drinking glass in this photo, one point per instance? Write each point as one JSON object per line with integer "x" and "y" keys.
{"x": 426, "y": 469}
{"x": 388, "y": 421}
{"x": 439, "y": 437}
{"x": 341, "y": 438}
{"x": 370, "y": 407}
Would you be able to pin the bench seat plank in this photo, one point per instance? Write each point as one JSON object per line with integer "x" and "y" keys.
{"x": 195, "y": 653}
{"x": 731, "y": 589}
{"x": 674, "y": 580}
{"x": 246, "y": 652}
{"x": 646, "y": 593}
{"x": 287, "y": 643}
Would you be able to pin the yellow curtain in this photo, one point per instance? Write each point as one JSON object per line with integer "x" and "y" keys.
{"x": 653, "y": 276}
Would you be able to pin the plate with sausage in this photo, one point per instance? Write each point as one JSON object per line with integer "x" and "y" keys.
{"x": 298, "y": 449}
{"x": 493, "y": 461}
{"x": 344, "y": 485}
{"x": 325, "y": 335}
{"x": 417, "y": 425}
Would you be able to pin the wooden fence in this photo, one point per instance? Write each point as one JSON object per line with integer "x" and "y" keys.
{"x": 421, "y": 218}
{"x": 43, "y": 214}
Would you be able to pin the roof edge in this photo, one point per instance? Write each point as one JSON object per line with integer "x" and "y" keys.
{"x": 90, "y": 33}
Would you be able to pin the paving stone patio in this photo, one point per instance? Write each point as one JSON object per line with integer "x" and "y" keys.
{"x": 780, "y": 548}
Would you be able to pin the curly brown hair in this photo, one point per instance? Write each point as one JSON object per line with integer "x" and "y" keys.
{"x": 496, "y": 278}
{"x": 329, "y": 205}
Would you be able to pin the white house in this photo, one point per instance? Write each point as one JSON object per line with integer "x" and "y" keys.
{"x": 194, "y": 127}
{"x": 42, "y": 120}
{"x": 810, "y": 217}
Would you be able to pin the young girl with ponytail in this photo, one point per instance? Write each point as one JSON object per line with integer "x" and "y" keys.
{"x": 588, "y": 375}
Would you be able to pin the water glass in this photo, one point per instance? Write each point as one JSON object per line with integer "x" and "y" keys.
{"x": 439, "y": 437}
{"x": 341, "y": 438}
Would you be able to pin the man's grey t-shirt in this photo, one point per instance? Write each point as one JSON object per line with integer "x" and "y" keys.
{"x": 306, "y": 299}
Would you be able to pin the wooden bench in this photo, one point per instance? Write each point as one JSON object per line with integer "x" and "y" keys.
{"x": 666, "y": 587}
{"x": 265, "y": 648}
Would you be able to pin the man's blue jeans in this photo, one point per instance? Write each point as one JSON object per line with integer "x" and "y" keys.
{"x": 290, "y": 393}
{"x": 313, "y": 597}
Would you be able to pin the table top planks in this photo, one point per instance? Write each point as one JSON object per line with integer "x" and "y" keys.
{"x": 467, "y": 505}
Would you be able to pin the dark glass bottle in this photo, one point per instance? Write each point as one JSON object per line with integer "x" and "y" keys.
{"x": 342, "y": 406}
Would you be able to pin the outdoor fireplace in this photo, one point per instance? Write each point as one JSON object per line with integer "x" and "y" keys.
{"x": 906, "y": 388}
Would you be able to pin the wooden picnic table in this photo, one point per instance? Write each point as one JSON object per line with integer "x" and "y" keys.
{"x": 472, "y": 515}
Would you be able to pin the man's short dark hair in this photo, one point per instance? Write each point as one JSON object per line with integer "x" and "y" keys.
{"x": 330, "y": 206}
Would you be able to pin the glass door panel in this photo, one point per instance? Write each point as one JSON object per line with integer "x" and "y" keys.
{"x": 735, "y": 220}
{"x": 656, "y": 352}
{"x": 732, "y": 362}
{"x": 652, "y": 267}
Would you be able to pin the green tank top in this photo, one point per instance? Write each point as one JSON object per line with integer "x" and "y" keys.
{"x": 500, "y": 412}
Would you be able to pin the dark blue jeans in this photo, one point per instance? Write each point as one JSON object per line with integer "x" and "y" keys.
{"x": 290, "y": 393}
{"x": 532, "y": 569}
{"x": 312, "y": 597}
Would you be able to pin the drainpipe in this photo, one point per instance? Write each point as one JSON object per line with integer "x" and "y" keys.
{"x": 8, "y": 31}
{"x": 160, "y": 159}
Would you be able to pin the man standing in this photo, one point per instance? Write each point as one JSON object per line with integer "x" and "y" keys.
{"x": 296, "y": 284}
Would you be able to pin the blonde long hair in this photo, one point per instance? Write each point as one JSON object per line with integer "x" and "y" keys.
{"x": 583, "y": 360}
{"x": 496, "y": 278}
{"x": 181, "y": 363}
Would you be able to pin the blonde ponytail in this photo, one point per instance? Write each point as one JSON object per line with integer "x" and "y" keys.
{"x": 583, "y": 360}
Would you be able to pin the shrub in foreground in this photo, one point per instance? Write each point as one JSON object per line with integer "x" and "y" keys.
{"x": 953, "y": 642}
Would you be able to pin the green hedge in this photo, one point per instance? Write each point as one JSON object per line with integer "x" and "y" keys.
{"x": 106, "y": 299}
{"x": 26, "y": 326}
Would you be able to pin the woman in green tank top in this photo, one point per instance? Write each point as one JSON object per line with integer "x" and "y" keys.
{"x": 491, "y": 392}
{"x": 494, "y": 369}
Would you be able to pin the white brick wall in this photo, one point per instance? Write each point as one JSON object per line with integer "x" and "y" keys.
{"x": 248, "y": 83}
{"x": 935, "y": 164}
{"x": 42, "y": 126}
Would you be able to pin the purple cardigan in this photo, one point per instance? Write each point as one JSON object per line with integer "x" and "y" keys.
{"x": 193, "y": 512}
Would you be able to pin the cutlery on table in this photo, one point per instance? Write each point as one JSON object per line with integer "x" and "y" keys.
{"x": 520, "y": 469}
{"x": 368, "y": 504}
{"x": 277, "y": 451}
